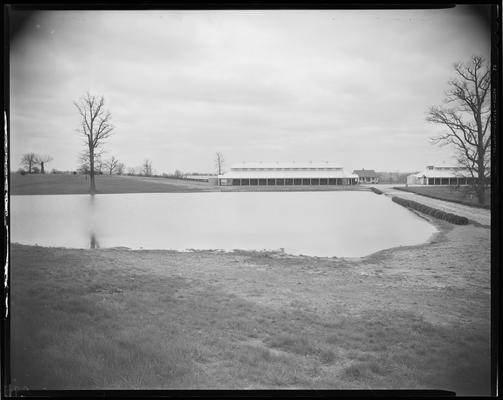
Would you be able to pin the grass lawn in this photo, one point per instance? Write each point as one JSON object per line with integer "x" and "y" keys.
{"x": 405, "y": 318}
{"x": 32, "y": 184}
{"x": 463, "y": 194}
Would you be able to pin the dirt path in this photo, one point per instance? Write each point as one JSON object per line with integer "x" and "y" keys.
{"x": 414, "y": 273}
{"x": 479, "y": 215}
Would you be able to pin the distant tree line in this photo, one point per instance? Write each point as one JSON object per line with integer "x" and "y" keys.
{"x": 393, "y": 177}
{"x": 111, "y": 166}
{"x": 33, "y": 163}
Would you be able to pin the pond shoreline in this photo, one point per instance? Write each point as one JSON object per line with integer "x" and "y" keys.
{"x": 440, "y": 235}
{"x": 345, "y": 224}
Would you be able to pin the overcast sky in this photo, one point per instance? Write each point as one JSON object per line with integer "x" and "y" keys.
{"x": 350, "y": 87}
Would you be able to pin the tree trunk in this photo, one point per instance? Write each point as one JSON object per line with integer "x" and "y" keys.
{"x": 481, "y": 189}
{"x": 481, "y": 195}
{"x": 480, "y": 159}
{"x": 42, "y": 171}
{"x": 92, "y": 188}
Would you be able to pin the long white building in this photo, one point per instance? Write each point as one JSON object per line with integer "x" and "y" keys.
{"x": 441, "y": 176}
{"x": 284, "y": 174}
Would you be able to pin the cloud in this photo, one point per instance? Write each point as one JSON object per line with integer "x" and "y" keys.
{"x": 348, "y": 86}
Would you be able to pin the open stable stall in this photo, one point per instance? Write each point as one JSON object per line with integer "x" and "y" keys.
{"x": 454, "y": 176}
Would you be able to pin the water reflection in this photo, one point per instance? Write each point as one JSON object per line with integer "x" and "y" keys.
{"x": 94, "y": 242}
{"x": 93, "y": 223}
{"x": 342, "y": 224}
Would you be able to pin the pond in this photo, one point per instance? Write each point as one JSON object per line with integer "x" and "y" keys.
{"x": 326, "y": 224}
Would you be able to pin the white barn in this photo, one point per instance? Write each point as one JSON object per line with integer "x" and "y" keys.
{"x": 284, "y": 174}
{"x": 441, "y": 176}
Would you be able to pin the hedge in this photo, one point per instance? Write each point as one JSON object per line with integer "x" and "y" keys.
{"x": 376, "y": 191}
{"x": 452, "y": 218}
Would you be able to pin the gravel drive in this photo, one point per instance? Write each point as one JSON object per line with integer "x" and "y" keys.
{"x": 474, "y": 214}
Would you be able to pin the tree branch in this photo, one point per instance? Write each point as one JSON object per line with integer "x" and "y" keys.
{"x": 466, "y": 127}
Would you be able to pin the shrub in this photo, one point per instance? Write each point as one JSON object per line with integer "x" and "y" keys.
{"x": 434, "y": 212}
{"x": 376, "y": 191}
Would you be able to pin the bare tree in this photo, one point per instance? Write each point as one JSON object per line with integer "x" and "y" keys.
{"x": 467, "y": 120}
{"x": 95, "y": 127}
{"x": 219, "y": 162}
{"x": 147, "y": 167}
{"x": 42, "y": 160}
{"x": 111, "y": 165}
{"x": 120, "y": 168}
{"x": 29, "y": 160}
{"x": 131, "y": 171}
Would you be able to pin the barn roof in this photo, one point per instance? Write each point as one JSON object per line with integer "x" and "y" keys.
{"x": 339, "y": 173}
{"x": 285, "y": 165}
{"x": 444, "y": 172}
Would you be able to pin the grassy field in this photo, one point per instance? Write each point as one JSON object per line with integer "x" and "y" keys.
{"x": 404, "y": 318}
{"x": 33, "y": 184}
{"x": 463, "y": 194}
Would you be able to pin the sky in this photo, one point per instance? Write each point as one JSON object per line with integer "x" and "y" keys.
{"x": 350, "y": 87}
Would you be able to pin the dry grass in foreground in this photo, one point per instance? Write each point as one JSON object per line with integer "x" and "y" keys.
{"x": 116, "y": 319}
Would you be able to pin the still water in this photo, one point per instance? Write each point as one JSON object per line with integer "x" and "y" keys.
{"x": 342, "y": 224}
